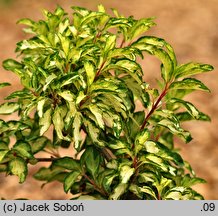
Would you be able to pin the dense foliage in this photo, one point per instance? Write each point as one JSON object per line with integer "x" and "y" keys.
{"x": 81, "y": 81}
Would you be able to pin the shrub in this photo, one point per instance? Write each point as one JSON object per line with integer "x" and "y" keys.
{"x": 81, "y": 81}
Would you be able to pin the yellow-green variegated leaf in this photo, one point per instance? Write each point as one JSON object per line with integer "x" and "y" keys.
{"x": 70, "y": 180}
{"x": 175, "y": 129}
{"x": 189, "y": 83}
{"x": 193, "y": 111}
{"x": 4, "y": 84}
{"x": 8, "y": 108}
{"x": 192, "y": 68}
{"x": 58, "y": 121}
{"x": 24, "y": 149}
{"x": 45, "y": 121}
{"x": 77, "y": 123}
{"x": 93, "y": 132}
{"x": 90, "y": 71}
{"x": 125, "y": 173}
{"x": 18, "y": 167}
{"x": 119, "y": 190}
{"x": 98, "y": 115}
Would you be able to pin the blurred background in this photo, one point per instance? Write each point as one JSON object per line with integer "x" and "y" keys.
{"x": 190, "y": 26}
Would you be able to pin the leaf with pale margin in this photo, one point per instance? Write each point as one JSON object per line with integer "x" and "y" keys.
{"x": 8, "y": 108}
{"x": 192, "y": 68}
{"x": 18, "y": 167}
{"x": 188, "y": 83}
{"x": 70, "y": 180}
{"x": 45, "y": 121}
{"x": 118, "y": 191}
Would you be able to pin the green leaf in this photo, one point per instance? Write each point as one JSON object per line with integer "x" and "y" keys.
{"x": 188, "y": 181}
{"x": 67, "y": 95}
{"x": 110, "y": 43}
{"x": 135, "y": 189}
{"x": 94, "y": 133}
{"x": 171, "y": 122}
{"x": 186, "y": 116}
{"x": 39, "y": 144}
{"x": 3, "y": 145}
{"x": 155, "y": 46}
{"x": 3, "y": 153}
{"x": 18, "y": 167}
{"x": 117, "y": 22}
{"x": 193, "y": 111}
{"x": 8, "y": 108}
{"x": 4, "y": 84}
{"x": 77, "y": 123}
{"x": 108, "y": 180}
{"x": 129, "y": 66}
{"x": 12, "y": 65}
{"x": 20, "y": 94}
{"x": 90, "y": 72}
{"x": 192, "y": 68}
{"x": 70, "y": 180}
{"x": 40, "y": 106}
{"x": 24, "y": 149}
{"x": 118, "y": 191}
{"x": 176, "y": 129}
{"x": 188, "y": 83}
{"x": 148, "y": 190}
{"x": 149, "y": 176}
{"x": 68, "y": 163}
{"x": 45, "y": 121}
{"x": 142, "y": 137}
{"x": 125, "y": 173}
{"x": 135, "y": 123}
{"x": 97, "y": 112}
{"x": 49, "y": 80}
{"x": 26, "y": 21}
{"x": 141, "y": 27}
{"x": 179, "y": 193}
{"x": 45, "y": 174}
{"x": 58, "y": 122}
{"x": 17, "y": 125}
{"x": 91, "y": 159}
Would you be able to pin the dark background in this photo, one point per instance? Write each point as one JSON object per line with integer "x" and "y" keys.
{"x": 190, "y": 26}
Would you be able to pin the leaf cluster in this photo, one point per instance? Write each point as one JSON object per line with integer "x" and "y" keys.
{"x": 81, "y": 80}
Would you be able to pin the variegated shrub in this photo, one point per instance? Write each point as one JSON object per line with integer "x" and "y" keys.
{"x": 81, "y": 81}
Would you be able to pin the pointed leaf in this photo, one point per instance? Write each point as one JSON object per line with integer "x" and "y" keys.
{"x": 125, "y": 173}
{"x": 8, "y": 108}
{"x": 70, "y": 180}
{"x": 189, "y": 83}
{"x": 39, "y": 144}
{"x": 90, "y": 72}
{"x": 12, "y": 65}
{"x": 45, "y": 121}
{"x": 24, "y": 149}
{"x": 68, "y": 163}
{"x": 91, "y": 159}
{"x": 118, "y": 191}
{"x": 193, "y": 111}
{"x": 58, "y": 122}
{"x": 77, "y": 123}
{"x": 3, "y": 153}
{"x": 4, "y": 84}
{"x": 18, "y": 167}
{"x": 192, "y": 68}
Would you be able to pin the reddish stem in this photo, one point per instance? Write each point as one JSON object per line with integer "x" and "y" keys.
{"x": 154, "y": 107}
{"x": 99, "y": 70}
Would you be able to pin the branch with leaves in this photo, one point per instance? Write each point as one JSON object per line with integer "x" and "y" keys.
{"x": 81, "y": 81}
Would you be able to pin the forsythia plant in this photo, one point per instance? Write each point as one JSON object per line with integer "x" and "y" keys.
{"x": 81, "y": 81}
